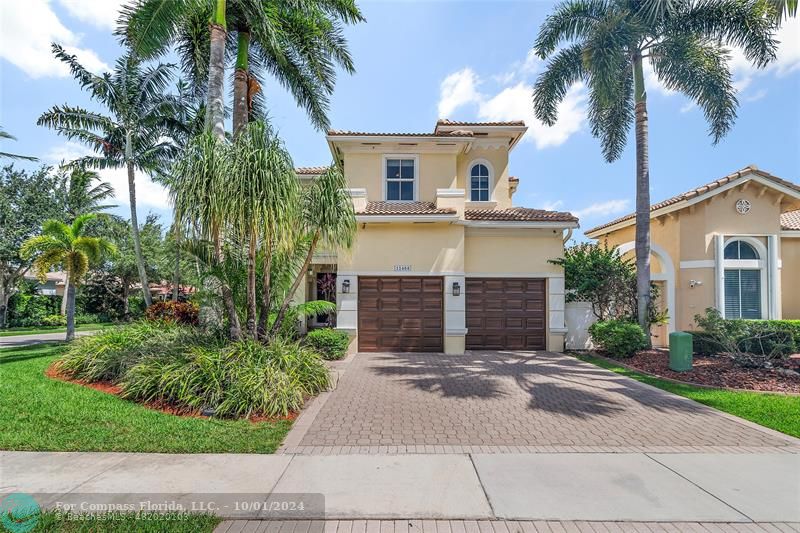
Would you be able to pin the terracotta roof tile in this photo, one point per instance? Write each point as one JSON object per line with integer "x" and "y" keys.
{"x": 513, "y": 178}
{"x": 752, "y": 169}
{"x": 313, "y": 171}
{"x": 459, "y": 133}
{"x": 404, "y": 208}
{"x": 448, "y": 122}
{"x": 519, "y": 214}
{"x": 791, "y": 220}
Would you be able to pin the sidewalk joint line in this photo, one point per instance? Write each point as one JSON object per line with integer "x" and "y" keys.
{"x": 649, "y": 456}
{"x": 483, "y": 489}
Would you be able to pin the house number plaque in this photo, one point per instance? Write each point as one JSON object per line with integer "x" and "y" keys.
{"x": 402, "y": 268}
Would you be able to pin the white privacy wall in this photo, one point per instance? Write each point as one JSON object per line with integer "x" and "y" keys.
{"x": 578, "y": 317}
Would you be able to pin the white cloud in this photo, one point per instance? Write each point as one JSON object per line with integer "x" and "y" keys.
{"x": 27, "y": 30}
{"x": 758, "y": 95}
{"x": 602, "y": 209}
{"x": 100, "y": 13}
{"x": 148, "y": 193}
{"x": 458, "y": 89}
{"x": 553, "y": 206}
{"x": 514, "y": 103}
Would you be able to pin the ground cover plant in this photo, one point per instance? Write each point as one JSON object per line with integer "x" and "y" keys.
{"x": 330, "y": 343}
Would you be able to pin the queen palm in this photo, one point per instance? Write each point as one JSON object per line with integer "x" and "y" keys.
{"x": 605, "y": 45}
{"x": 7, "y": 155}
{"x": 299, "y": 43}
{"x": 68, "y": 247}
{"x": 133, "y": 133}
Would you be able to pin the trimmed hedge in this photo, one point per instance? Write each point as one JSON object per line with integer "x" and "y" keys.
{"x": 330, "y": 343}
{"x": 778, "y": 338}
{"x": 618, "y": 338}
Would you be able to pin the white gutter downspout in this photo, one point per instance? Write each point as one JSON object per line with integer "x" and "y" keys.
{"x": 719, "y": 245}
{"x": 772, "y": 249}
{"x": 567, "y": 235}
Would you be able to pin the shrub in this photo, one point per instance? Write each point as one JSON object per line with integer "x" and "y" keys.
{"x": 618, "y": 338}
{"x": 750, "y": 343}
{"x": 176, "y": 312}
{"x": 107, "y": 355}
{"x": 54, "y": 320}
{"x": 330, "y": 343}
{"x": 241, "y": 379}
{"x": 89, "y": 318}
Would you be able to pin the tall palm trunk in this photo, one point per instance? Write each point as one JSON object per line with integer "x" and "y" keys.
{"x": 70, "y": 311}
{"x": 176, "y": 276}
{"x": 642, "y": 198}
{"x": 241, "y": 107}
{"x": 215, "y": 110}
{"x": 297, "y": 280}
{"x": 235, "y": 329}
{"x": 64, "y": 298}
{"x": 251, "y": 287}
{"x": 263, "y": 319}
{"x": 137, "y": 242}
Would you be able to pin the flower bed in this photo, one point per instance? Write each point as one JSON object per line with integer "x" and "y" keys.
{"x": 715, "y": 372}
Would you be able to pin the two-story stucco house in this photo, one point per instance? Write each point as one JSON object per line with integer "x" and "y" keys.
{"x": 732, "y": 244}
{"x": 443, "y": 261}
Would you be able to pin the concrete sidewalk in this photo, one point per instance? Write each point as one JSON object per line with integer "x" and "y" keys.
{"x": 635, "y": 487}
{"x": 13, "y": 341}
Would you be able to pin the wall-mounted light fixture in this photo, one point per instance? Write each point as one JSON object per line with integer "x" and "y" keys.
{"x": 694, "y": 283}
{"x": 456, "y": 289}
{"x": 346, "y": 286}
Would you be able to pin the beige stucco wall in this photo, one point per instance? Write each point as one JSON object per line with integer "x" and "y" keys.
{"x": 790, "y": 277}
{"x": 425, "y": 248}
{"x": 513, "y": 252}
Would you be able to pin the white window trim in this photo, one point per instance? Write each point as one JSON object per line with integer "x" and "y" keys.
{"x": 759, "y": 264}
{"x": 416, "y": 176}
{"x": 489, "y": 166}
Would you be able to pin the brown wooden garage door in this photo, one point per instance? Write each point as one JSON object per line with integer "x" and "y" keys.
{"x": 400, "y": 314}
{"x": 505, "y": 314}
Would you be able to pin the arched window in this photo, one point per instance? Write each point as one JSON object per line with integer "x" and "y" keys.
{"x": 744, "y": 275}
{"x": 479, "y": 183}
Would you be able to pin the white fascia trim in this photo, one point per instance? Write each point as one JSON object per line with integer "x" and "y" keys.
{"x": 508, "y": 224}
{"x": 366, "y": 219}
{"x": 358, "y": 192}
{"x": 702, "y": 263}
{"x": 398, "y": 138}
{"x": 392, "y": 273}
{"x": 513, "y": 275}
{"x": 450, "y": 193}
{"x": 697, "y": 199}
{"x": 791, "y": 233}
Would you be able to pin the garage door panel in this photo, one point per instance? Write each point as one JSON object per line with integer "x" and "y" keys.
{"x": 505, "y": 313}
{"x": 401, "y": 314}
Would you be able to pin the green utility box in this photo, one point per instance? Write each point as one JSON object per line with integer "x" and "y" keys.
{"x": 680, "y": 351}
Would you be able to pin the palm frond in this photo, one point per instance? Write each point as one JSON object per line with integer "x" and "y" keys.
{"x": 149, "y": 26}
{"x": 571, "y": 20}
{"x": 563, "y": 70}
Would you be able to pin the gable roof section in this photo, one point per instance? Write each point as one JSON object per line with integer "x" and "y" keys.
{"x": 791, "y": 221}
{"x": 310, "y": 171}
{"x": 518, "y": 214}
{"x": 708, "y": 189}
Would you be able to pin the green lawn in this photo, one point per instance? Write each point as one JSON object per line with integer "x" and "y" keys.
{"x": 41, "y": 414}
{"x": 34, "y": 330}
{"x": 775, "y": 411}
{"x": 123, "y": 523}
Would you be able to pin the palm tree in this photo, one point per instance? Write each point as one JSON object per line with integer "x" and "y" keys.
{"x": 199, "y": 194}
{"x": 299, "y": 43}
{"x": 327, "y": 219}
{"x": 131, "y": 135}
{"x": 68, "y": 247}
{"x": 683, "y": 41}
{"x": 262, "y": 195}
{"x": 81, "y": 196}
{"x": 5, "y": 155}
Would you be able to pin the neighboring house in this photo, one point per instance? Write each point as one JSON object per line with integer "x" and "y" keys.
{"x": 442, "y": 261}
{"x": 733, "y": 244}
{"x": 54, "y": 286}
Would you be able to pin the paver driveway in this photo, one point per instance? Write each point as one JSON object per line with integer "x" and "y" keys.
{"x": 513, "y": 401}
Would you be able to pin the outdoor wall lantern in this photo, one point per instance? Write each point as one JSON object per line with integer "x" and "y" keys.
{"x": 346, "y": 286}
{"x": 456, "y": 289}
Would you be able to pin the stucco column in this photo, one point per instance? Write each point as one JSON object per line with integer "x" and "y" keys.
{"x": 719, "y": 265}
{"x": 347, "y": 307}
{"x": 455, "y": 309}
{"x": 774, "y": 278}
{"x": 557, "y": 328}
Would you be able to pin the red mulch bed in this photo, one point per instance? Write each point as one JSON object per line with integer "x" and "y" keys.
{"x": 109, "y": 388}
{"x": 715, "y": 372}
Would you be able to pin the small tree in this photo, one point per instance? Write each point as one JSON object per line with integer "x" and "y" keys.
{"x": 68, "y": 247}
{"x": 599, "y": 275}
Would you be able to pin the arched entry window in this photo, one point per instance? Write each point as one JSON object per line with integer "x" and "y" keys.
{"x": 744, "y": 275}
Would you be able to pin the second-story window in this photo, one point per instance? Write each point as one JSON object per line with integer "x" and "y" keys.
{"x": 400, "y": 175}
{"x": 479, "y": 183}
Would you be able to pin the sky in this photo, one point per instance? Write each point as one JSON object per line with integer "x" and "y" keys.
{"x": 418, "y": 61}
